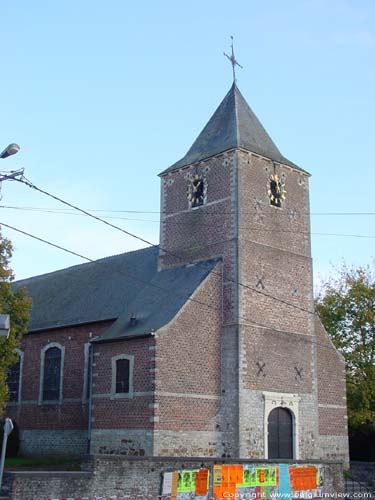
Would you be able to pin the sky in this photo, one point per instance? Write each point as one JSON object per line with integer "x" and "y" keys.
{"x": 102, "y": 97}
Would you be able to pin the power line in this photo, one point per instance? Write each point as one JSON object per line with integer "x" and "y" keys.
{"x": 127, "y": 274}
{"x": 249, "y": 323}
{"x": 211, "y": 212}
{"x": 25, "y": 181}
{"x": 46, "y": 242}
{"x": 168, "y": 222}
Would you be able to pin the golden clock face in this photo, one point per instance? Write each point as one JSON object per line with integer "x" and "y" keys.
{"x": 197, "y": 191}
{"x": 276, "y": 190}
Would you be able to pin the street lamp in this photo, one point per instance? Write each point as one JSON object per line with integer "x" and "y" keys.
{"x": 8, "y": 427}
{"x": 10, "y": 150}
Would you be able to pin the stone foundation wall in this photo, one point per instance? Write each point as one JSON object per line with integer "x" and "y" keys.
{"x": 127, "y": 442}
{"x": 193, "y": 443}
{"x": 56, "y": 442}
{"x": 334, "y": 448}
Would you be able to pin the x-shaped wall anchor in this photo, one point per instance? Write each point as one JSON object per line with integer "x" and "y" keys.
{"x": 260, "y": 283}
{"x": 261, "y": 367}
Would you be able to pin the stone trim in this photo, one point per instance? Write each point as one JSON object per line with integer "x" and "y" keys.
{"x": 135, "y": 394}
{"x": 274, "y": 400}
{"x": 41, "y": 376}
{"x": 335, "y": 407}
{"x": 126, "y": 395}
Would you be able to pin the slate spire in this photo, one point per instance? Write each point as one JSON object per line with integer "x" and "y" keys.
{"x": 233, "y": 125}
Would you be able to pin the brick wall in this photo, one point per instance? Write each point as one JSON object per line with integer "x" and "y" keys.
{"x": 59, "y": 427}
{"x": 276, "y": 332}
{"x": 123, "y": 424}
{"x": 187, "y": 375}
{"x": 189, "y": 235}
{"x": 202, "y": 233}
{"x": 333, "y": 421}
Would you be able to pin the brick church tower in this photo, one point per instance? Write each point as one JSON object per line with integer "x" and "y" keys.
{"x": 234, "y": 196}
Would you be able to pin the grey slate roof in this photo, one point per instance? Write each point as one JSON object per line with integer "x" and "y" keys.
{"x": 233, "y": 125}
{"x": 86, "y": 293}
{"x": 159, "y": 301}
{"x": 113, "y": 288}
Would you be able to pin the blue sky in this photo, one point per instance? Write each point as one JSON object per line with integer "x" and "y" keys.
{"x": 104, "y": 96}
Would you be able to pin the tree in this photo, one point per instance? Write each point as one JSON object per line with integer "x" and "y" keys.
{"x": 17, "y": 304}
{"x": 346, "y": 307}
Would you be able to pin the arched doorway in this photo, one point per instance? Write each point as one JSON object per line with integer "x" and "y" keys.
{"x": 280, "y": 434}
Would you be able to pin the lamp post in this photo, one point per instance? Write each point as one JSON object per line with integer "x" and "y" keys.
{"x": 10, "y": 150}
{"x": 8, "y": 427}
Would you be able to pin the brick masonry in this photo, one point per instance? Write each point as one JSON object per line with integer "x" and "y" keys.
{"x": 60, "y": 427}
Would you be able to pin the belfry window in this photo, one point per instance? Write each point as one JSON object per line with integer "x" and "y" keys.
{"x": 52, "y": 374}
{"x": 197, "y": 191}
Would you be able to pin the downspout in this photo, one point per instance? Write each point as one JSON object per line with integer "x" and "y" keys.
{"x": 89, "y": 409}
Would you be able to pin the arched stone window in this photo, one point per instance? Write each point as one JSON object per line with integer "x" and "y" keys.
{"x": 14, "y": 379}
{"x": 51, "y": 378}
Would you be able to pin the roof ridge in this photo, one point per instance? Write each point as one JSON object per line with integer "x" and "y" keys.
{"x": 236, "y": 114}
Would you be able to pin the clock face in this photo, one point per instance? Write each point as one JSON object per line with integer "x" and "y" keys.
{"x": 276, "y": 191}
{"x": 197, "y": 191}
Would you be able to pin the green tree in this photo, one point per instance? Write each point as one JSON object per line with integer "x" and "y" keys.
{"x": 17, "y": 305}
{"x": 346, "y": 307}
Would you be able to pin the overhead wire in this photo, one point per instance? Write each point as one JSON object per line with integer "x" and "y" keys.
{"x": 249, "y": 323}
{"x": 28, "y": 183}
{"x": 46, "y": 242}
{"x": 168, "y": 222}
{"x": 211, "y": 212}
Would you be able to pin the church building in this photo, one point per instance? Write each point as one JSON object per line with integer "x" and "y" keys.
{"x": 206, "y": 345}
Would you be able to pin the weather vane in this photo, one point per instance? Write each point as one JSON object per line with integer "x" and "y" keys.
{"x": 233, "y": 61}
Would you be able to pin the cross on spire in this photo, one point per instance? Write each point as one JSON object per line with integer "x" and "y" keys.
{"x": 233, "y": 61}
